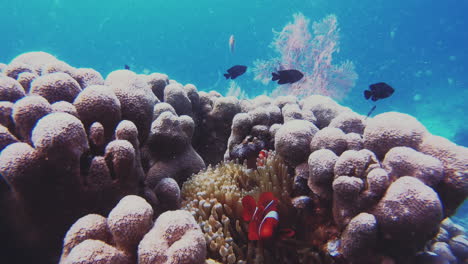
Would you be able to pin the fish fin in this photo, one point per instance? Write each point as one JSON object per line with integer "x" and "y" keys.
{"x": 282, "y": 82}
{"x": 374, "y": 98}
{"x": 249, "y": 205}
{"x": 286, "y": 233}
{"x": 266, "y": 198}
{"x": 275, "y": 76}
{"x": 227, "y": 75}
{"x": 367, "y": 94}
{"x": 253, "y": 231}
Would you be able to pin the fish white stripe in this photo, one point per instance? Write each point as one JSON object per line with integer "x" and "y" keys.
{"x": 254, "y": 214}
{"x": 271, "y": 214}
{"x": 268, "y": 205}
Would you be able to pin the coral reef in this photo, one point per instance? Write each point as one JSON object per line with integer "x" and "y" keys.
{"x": 401, "y": 161}
{"x": 76, "y": 147}
{"x": 73, "y": 143}
{"x": 128, "y": 235}
{"x": 57, "y": 86}
{"x": 450, "y": 243}
{"x": 408, "y": 194}
{"x": 453, "y": 188}
{"x": 10, "y": 89}
{"x": 363, "y": 175}
{"x": 392, "y": 129}
{"x": 175, "y": 238}
{"x": 215, "y": 120}
{"x": 292, "y": 141}
{"x": 169, "y": 146}
{"x": 359, "y": 237}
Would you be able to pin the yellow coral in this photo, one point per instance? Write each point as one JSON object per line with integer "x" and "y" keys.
{"x": 214, "y": 198}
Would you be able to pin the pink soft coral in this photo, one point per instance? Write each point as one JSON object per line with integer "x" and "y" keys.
{"x": 312, "y": 56}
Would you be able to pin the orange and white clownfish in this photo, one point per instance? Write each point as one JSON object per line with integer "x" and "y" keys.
{"x": 263, "y": 217}
{"x": 262, "y": 156}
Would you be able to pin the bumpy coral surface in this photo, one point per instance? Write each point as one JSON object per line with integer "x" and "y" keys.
{"x": 80, "y": 147}
{"x": 94, "y": 238}
{"x": 356, "y": 166}
{"x": 74, "y": 144}
{"x": 175, "y": 238}
{"x": 129, "y": 236}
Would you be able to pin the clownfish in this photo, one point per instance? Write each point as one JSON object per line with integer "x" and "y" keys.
{"x": 263, "y": 217}
{"x": 262, "y": 156}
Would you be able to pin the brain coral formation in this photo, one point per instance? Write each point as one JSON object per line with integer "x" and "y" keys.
{"x": 392, "y": 129}
{"x": 175, "y": 238}
{"x": 453, "y": 189}
{"x": 410, "y": 211}
{"x": 95, "y": 239}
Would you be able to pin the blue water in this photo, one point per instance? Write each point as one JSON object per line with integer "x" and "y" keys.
{"x": 417, "y": 46}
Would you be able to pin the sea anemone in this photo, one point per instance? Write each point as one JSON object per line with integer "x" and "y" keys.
{"x": 214, "y": 198}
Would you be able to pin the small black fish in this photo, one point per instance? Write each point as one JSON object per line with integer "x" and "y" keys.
{"x": 235, "y": 71}
{"x": 378, "y": 91}
{"x": 287, "y": 76}
{"x": 127, "y": 67}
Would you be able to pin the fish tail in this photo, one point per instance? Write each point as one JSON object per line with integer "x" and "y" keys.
{"x": 227, "y": 75}
{"x": 367, "y": 94}
{"x": 275, "y": 76}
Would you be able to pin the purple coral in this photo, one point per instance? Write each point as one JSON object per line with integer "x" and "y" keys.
{"x": 56, "y": 87}
{"x": 95, "y": 239}
{"x": 312, "y": 55}
{"x": 409, "y": 212}
{"x": 129, "y": 221}
{"x": 92, "y": 226}
{"x": 27, "y": 111}
{"x": 10, "y": 89}
{"x": 175, "y": 238}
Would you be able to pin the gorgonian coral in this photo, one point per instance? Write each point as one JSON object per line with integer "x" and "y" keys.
{"x": 311, "y": 54}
